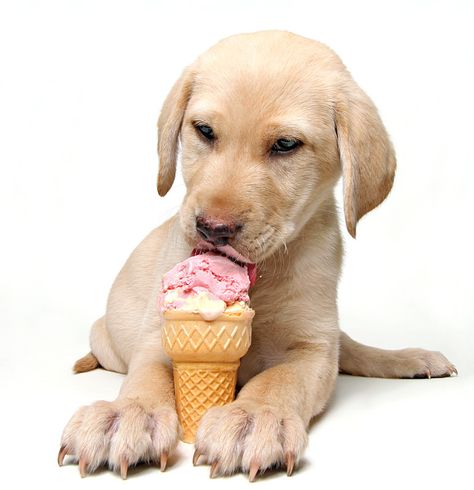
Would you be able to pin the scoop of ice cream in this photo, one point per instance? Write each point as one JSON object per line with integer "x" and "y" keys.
{"x": 207, "y": 284}
{"x": 214, "y": 273}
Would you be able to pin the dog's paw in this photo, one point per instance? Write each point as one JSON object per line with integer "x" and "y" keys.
{"x": 119, "y": 434}
{"x": 420, "y": 363}
{"x": 249, "y": 437}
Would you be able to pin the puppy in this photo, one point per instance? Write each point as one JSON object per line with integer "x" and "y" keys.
{"x": 268, "y": 122}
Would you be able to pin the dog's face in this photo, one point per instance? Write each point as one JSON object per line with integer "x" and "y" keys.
{"x": 265, "y": 123}
{"x": 259, "y": 150}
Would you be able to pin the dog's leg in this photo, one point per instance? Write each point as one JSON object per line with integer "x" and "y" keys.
{"x": 362, "y": 360}
{"x": 140, "y": 425}
{"x": 266, "y": 425}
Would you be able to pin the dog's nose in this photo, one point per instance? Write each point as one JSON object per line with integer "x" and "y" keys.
{"x": 217, "y": 232}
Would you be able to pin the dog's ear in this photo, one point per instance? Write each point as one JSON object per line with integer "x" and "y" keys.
{"x": 169, "y": 127}
{"x": 366, "y": 154}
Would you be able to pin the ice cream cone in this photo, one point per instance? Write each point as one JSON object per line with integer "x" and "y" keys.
{"x": 206, "y": 356}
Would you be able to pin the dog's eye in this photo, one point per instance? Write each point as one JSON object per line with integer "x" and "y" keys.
{"x": 284, "y": 145}
{"x": 206, "y": 131}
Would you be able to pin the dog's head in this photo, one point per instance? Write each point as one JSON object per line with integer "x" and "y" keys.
{"x": 267, "y": 122}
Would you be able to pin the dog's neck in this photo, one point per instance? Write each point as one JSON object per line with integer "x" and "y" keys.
{"x": 319, "y": 238}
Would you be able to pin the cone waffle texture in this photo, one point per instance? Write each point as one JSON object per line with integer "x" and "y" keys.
{"x": 205, "y": 358}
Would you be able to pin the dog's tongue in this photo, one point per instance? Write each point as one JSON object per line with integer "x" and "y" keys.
{"x": 252, "y": 271}
{"x": 251, "y": 268}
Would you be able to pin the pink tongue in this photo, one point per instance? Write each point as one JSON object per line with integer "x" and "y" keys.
{"x": 251, "y": 268}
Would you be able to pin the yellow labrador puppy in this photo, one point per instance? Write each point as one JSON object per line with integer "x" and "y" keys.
{"x": 267, "y": 122}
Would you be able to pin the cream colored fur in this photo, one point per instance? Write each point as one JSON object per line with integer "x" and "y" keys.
{"x": 252, "y": 90}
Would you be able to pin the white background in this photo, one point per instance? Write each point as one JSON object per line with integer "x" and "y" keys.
{"x": 81, "y": 84}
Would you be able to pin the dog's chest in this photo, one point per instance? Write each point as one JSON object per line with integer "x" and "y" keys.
{"x": 270, "y": 336}
{"x": 265, "y": 352}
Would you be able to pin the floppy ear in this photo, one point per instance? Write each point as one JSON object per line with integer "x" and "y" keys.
{"x": 169, "y": 127}
{"x": 366, "y": 154}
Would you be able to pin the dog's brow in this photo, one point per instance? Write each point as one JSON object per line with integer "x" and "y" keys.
{"x": 203, "y": 113}
{"x": 288, "y": 127}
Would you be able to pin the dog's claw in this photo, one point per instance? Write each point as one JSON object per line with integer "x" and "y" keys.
{"x": 424, "y": 375}
{"x": 290, "y": 463}
{"x": 61, "y": 455}
{"x": 82, "y": 467}
{"x": 455, "y": 371}
{"x": 123, "y": 468}
{"x": 254, "y": 467}
{"x": 214, "y": 469}
{"x": 163, "y": 461}
{"x": 197, "y": 454}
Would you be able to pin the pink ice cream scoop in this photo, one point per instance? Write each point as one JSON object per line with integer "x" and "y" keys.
{"x": 220, "y": 276}
{"x": 207, "y": 284}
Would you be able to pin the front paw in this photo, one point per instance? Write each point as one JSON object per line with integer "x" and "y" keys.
{"x": 249, "y": 437}
{"x": 120, "y": 434}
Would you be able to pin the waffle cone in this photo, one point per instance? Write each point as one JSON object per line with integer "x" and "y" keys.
{"x": 206, "y": 356}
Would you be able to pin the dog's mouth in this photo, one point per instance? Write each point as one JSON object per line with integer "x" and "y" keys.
{"x": 231, "y": 254}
